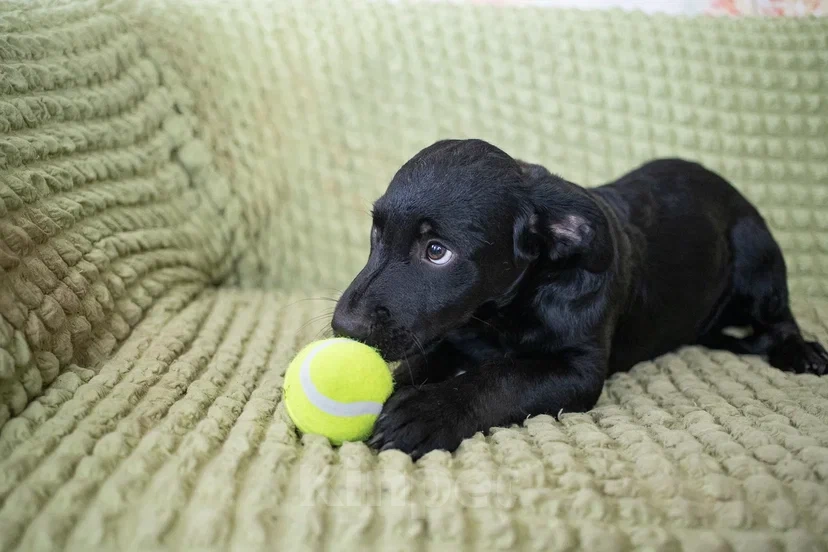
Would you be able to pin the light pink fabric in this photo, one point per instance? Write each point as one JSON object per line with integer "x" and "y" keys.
{"x": 767, "y": 8}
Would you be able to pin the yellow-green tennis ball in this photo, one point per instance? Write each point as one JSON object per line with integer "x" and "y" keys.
{"x": 336, "y": 388}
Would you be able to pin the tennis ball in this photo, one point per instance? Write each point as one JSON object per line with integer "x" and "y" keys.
{"x": 336, "y": 388}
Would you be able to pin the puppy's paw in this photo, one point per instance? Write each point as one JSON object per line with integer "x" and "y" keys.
{"x": 814, "y": 359}
{"x": 417, "y": 420}
{"x": 800, "y": 356}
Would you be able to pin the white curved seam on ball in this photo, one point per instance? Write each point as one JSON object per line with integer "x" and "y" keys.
{"x": 326, "y": 404}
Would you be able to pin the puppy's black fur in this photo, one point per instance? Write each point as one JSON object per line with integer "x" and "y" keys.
{"x": 507, "y": 291}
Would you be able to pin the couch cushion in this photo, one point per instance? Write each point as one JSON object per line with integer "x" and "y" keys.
{"x": 180, "y": 441}
{"x": 107, "y": 200}
{"x": 315, "y": 104}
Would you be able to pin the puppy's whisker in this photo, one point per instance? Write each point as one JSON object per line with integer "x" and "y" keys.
{"x": 336, "y": 292}
{"x": 315, "y": 319}
{"x": 323, "y": 333}
{"x": 311, "y": 322}
{"x": 294, "y": 303}
{"x": 425, "y": 357}
{"x": 489, "y": 324}
{"x": 410, "y": 372}
{"x": 322, "y": 315}
{"x": 419, "y": 345}
{"x": 325, "y": 298}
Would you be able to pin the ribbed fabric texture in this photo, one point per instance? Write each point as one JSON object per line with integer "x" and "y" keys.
{"x": 181, "y": 183}
{"x": 315, "y": 105}
{"x": 107, "y": 201}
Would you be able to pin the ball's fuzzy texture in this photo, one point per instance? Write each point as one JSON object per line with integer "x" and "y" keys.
{"x": 336, "y": 388}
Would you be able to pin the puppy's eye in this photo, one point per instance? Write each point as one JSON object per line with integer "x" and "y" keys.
{"x": 438, "y": 253}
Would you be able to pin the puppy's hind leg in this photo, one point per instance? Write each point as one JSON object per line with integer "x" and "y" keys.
{"x": 760, "y": 289}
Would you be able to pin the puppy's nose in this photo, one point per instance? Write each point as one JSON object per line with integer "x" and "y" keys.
{"x": 347, "y": 324}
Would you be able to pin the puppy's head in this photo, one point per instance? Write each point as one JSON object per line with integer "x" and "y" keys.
{"x": 456, "y": 229}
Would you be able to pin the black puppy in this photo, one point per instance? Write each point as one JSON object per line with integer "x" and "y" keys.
{"x": 507, "y": 291}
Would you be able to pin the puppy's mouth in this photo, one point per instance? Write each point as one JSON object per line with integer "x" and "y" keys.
{"x": 405, "y": 347}
{"x": 418, "y": 349}
{"x": 399, "y": 343}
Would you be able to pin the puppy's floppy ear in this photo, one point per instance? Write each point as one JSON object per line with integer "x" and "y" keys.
{"x": 562, "y": 237}
{"x": 568, "y": 234}
{"x": 533, "y": 172}
{"x": 561, "y": 222}
{"x": 527, "y": 242}
{"x": 581, "y": 237}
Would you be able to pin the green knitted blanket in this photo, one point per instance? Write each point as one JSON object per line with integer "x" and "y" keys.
{"x": 183, "y": 183}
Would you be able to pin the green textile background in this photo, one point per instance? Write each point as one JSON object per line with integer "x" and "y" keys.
{"x": 181, "y": 182}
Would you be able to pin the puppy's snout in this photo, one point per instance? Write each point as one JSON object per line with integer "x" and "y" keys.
{"x": 357, "y": 325}
{"x": 348, "y": 324}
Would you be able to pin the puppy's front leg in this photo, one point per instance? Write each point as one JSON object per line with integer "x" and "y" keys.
{"x": 500, "y": 392}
